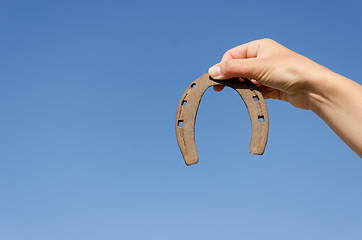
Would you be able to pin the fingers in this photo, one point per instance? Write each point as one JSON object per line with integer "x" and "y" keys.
{"x": 255, "y": 49}
{"x": 278, "y": 72}
{"x": 215, "y": 70}
{"x": 251, "y": 60}
{"x": 270, "y": 93}
{"x": 249, "y": 68}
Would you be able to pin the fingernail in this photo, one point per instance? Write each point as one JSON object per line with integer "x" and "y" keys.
{"x": 215, "y": 71}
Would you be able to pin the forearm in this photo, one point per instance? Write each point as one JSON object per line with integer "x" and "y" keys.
{"x": 338, "y": 101}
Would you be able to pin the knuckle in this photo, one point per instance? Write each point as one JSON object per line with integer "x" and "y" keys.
{"x": 268, "y": 40}
{"x": 227, "y": 53}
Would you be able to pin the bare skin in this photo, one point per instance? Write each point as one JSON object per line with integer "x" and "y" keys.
{"x": 285, "y": 75}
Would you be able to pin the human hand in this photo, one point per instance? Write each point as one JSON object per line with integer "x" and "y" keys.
{"x": 285, "y": 75}
{"x": 279, "y": 72}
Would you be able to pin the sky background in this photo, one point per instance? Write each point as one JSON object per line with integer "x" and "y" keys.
{"x": 88, "y": 98}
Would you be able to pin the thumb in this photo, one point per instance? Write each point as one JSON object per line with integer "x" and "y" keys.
{"x": 252, "y": 68}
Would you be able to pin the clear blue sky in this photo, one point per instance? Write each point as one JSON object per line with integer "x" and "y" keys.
{"x": 88, "y": 98}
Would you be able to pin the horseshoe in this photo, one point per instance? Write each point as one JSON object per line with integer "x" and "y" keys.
{"x": 189, "y": 104}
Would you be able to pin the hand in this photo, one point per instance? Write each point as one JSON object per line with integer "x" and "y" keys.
{"x": 279, "y": 72}
{"x": 285, "y": 75}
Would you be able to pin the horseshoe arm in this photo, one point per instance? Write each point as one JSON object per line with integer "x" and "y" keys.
{"x": 189, "y": 104}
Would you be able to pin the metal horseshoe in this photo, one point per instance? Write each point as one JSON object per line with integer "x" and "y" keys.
{"x": 189, "y": 104}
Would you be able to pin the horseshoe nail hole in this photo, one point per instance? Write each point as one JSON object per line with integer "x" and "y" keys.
{"x": 261, "y": 119}
{"x": 183, "y": 102}
{"x": 180, "y": 123}
{"x": 256, "y": 98}
{"x": 193, "y": 85}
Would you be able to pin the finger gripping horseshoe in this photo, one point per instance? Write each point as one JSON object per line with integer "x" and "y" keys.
{"x": 189, "y": 104}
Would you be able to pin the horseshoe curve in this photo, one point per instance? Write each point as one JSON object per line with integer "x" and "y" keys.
{"x": 189, "y": 104}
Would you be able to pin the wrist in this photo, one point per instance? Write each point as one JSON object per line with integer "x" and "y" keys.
{"x": 330, "y": 93}
{"x": 337, "y": 102}
{"x": 322, "y": 87}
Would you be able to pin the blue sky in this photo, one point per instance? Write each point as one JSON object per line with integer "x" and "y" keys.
{"x": 88, "y": 98}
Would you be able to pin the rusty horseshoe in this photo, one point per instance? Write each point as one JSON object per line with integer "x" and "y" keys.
{"x": 189, "y": 104}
